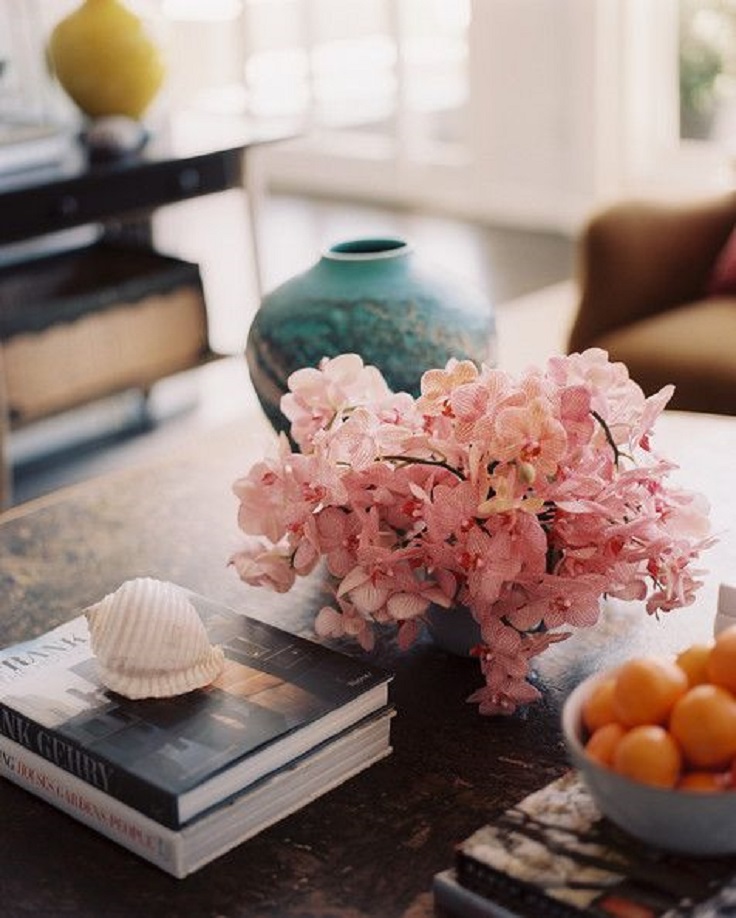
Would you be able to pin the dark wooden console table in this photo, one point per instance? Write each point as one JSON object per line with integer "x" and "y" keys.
{"x": 185, "y": 157}
{"x": 369, "y": 848}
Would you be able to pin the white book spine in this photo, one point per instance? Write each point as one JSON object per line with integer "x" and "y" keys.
{"x": 92, "y": 807}
{"x": 185, "y": 851}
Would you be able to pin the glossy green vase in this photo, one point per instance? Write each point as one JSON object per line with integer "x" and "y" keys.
{"x": 372, "y": 297}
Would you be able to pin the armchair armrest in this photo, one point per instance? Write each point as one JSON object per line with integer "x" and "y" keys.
{"x": 637, "y": 259}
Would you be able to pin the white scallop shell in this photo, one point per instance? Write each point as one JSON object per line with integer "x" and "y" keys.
{"x": 150, "y": 641}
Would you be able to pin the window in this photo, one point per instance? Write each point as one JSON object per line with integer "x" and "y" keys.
{"x": 372, "y": 66}
{"x": 707, "y": 70}
{"x": 529, "y": 112}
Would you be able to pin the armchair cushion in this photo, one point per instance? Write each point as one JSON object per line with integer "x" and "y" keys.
{"x": 691, "y": 346}
{"x": 722, "y": 279}
{"x": 658, "y": 292}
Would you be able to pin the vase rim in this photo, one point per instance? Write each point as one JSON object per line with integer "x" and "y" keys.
{"x": 367, "y": 248}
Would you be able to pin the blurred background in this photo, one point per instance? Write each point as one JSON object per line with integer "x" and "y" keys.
{"x": 486, "y": 131}
{"x": 524, "y": 112}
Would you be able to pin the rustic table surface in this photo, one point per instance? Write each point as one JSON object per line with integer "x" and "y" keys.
{"x": 370, "y": 847}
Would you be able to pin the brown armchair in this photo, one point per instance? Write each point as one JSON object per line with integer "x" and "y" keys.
{"x": 645, "y": 271}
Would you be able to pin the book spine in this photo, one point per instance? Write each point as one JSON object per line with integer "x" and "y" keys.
{"x": 91, "y": 807}
{"x": 517, "y": 896}
{"x": 93, "y": 770}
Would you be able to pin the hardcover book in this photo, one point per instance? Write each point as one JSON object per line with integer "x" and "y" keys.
{"x": 172, "y": 759}
{"x": 554, "y": 856}
{"x": 183, "y": 851}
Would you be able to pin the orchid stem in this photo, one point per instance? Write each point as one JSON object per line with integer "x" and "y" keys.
{"x": 413, "y": 460}
{"x": 609, "y": 436}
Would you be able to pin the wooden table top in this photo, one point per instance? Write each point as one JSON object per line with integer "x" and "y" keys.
{"x": 370, "y": 847}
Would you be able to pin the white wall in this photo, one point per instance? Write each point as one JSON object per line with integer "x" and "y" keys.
{"x": 533, "y": 108}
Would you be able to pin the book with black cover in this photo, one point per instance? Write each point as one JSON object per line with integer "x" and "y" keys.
{"x": 180, "y": 852}
{"x": 278, "y": 697}
{"x": 554, "y": 856}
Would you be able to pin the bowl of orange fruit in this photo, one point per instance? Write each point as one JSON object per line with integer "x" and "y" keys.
{"x": 654, "y": 740}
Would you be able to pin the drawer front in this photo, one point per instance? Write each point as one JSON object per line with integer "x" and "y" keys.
{"x": 115, "y": 191}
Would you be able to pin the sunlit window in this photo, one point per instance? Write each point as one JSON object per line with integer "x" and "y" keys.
{"x": 708, "y": 70}
{"x": 196, "y": 11}
{"x": 364, "y": 64}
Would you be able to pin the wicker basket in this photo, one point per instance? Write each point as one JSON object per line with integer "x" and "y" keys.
{"x": 81, "y": 326}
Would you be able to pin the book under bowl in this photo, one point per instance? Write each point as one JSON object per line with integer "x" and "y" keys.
{"x": 555, "y": 855}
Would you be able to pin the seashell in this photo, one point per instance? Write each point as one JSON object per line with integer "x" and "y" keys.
{"x": 150, "y": 641}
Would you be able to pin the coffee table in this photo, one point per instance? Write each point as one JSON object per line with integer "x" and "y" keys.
{"x": 370, "y": 847}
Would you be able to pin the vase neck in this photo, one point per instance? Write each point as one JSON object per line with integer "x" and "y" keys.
{"x": 369, "y": 249}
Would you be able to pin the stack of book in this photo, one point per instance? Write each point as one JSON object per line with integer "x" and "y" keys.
{"x": 28, "y": 145}
{"x": 182, "y": 780}
{"x": 554, "y": 856}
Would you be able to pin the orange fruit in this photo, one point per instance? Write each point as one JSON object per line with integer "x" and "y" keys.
{"x": 602, "y": 743}
{"x": 702, "y": 781}
{"x": 722, "y": 660}
{"x": 694, "y": 660}
{"x": 646, "y": 689}
{"x": 648, "y": 753}
{"x": 703, "y": 722}
{"x": 597, "y": 710}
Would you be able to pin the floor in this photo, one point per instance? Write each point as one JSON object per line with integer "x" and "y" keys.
{"x": 504, "y": 263}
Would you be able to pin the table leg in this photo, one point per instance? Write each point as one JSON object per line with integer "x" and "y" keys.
{"x": 253, "y": 184}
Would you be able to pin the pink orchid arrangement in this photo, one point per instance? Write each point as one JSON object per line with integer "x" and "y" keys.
{"x": 524, "y": 500}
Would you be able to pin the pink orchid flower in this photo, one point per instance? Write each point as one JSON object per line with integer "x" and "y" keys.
{"x": 525, "y": 500}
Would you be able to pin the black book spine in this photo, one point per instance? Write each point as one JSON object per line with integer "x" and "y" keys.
{"x": 519, "y": 897}
{"x": 93, "y": 769}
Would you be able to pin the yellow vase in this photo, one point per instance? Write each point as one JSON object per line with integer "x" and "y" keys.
{"x": 105, "y": 60}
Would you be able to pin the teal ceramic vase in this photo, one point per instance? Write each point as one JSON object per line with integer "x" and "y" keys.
{"x": 372, "y": 297}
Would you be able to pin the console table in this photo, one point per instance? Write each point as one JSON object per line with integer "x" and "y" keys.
{"x": 369, "y": 848}
{"x": 186, "y": 157}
